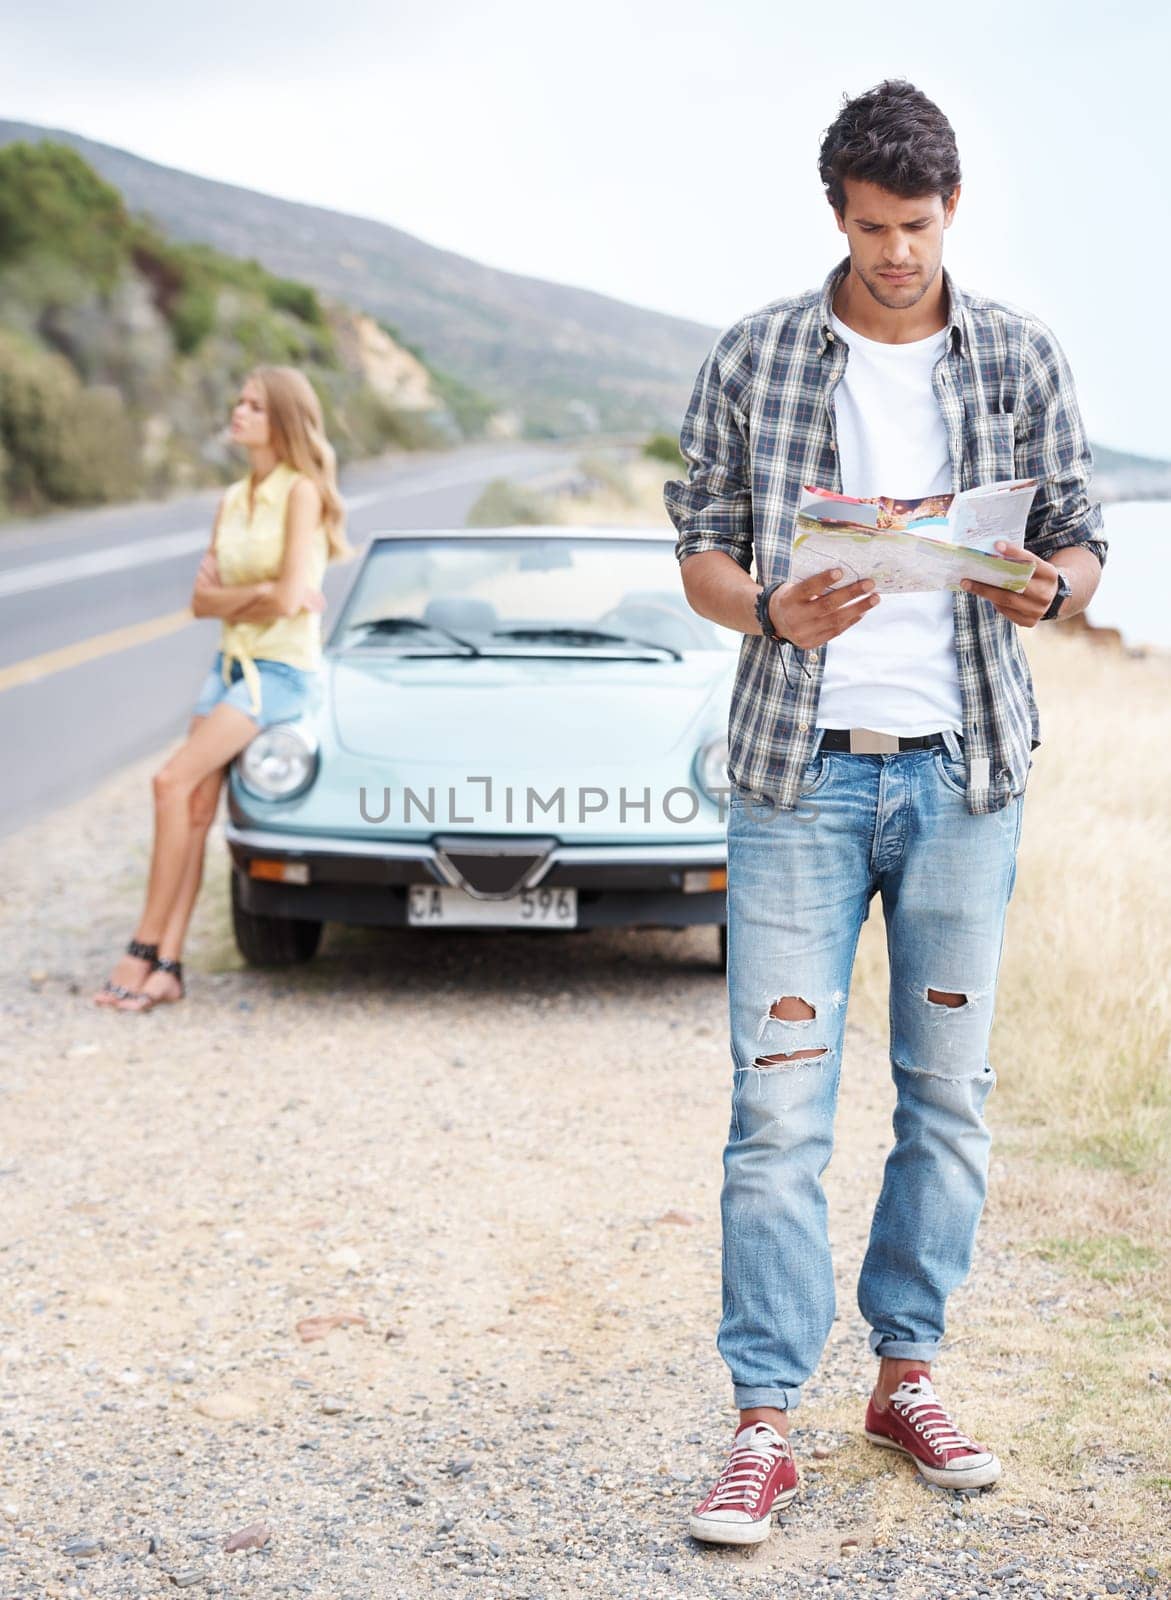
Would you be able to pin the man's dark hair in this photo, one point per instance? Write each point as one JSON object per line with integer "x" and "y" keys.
{"x": 892, "y": 136}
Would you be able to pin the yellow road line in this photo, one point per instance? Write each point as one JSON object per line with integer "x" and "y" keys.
{"x": 102, "y": 644}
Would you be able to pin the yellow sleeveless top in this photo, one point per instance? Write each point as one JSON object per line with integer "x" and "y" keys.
{"x": 250, "y": 549}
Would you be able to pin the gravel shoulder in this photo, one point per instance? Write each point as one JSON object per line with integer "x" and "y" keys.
{"x": 499, "y": 1157}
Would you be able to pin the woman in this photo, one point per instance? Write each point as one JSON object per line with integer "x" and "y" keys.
{"x": 275, "y": 531}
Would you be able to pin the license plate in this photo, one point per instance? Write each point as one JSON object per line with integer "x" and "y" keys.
{"x": 444, "y": 907}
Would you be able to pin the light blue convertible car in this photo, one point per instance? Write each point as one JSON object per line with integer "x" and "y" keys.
{"x": 516, "y": 728}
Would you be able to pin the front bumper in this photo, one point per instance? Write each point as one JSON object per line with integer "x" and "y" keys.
{"x": 365, "y": 881}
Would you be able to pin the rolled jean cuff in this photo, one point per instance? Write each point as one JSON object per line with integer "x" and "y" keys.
{"x": 903, "y": 1349}
{"x": 747, "y": 1399}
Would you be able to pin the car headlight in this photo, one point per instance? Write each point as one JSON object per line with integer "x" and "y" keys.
{"x": 279, "y": 763}
{"x": 711, "y": 767}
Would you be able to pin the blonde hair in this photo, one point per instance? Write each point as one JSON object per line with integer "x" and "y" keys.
{"x": 297, "y": 435}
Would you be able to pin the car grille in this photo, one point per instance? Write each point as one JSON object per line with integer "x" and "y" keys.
{"x": 493, "y": 871}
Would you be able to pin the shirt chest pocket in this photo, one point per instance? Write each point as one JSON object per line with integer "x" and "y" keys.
{"x": 991, "y": 448}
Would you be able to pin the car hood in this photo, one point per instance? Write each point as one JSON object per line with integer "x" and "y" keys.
{"x": 498, "y": 715}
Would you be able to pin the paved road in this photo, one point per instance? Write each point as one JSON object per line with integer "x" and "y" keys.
{"x": 99, "y": 664}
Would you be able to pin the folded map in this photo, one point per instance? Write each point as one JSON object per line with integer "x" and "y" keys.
{"x": 908, "y": 546}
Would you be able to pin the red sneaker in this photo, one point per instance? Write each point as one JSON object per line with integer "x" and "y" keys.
{"x": 760, "y": 1477}
{"x": 916, "y": 1423}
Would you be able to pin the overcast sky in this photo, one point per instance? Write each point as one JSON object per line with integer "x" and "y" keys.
{"x": 664, "y": 153}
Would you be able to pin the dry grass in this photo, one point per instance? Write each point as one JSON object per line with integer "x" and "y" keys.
{"x": 629, "y": 492}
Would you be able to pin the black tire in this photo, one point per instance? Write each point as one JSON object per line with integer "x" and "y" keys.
{"x": 723, "y": 947}
{"x": 272, "y": 941}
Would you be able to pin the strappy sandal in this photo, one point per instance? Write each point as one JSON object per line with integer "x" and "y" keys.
{"x": 150, "y": 1001}
{"x": 119, "y": 991}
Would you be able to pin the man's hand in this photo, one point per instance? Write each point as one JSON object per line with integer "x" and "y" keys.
{"x": 809, "y": 612}
{"x": 1030, "y": 605}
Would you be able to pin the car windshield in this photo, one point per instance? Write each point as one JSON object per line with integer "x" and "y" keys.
{"x": 501, "y": 595}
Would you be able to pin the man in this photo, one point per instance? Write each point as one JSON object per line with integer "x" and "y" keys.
{"x": 875, "y": 746}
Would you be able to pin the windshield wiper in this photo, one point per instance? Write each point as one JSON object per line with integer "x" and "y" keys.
{"x": 413, "y": 625}
{"x": 568, "y": 635}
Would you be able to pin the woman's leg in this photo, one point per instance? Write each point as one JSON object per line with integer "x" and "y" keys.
{"x": 131, "y": 972}
{"x": 211, "y": 743}
{"x": 218, "y": 738}
{"x": 204, "y": 802}
{"x": 161, "y": 985}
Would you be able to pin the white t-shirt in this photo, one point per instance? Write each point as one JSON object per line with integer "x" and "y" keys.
{"x": 895, "y": 670}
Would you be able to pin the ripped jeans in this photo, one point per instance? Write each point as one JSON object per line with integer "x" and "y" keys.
{"x": 799, "y": 888}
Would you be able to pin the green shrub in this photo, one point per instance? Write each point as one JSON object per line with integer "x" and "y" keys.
{"x": 263, "y": 337}
{"x": 284, "y": 294}
{"x": 542, "y": 428}
{"x": 376, "y": 425}
{"x": 505, "y": 504}
{"x": 186, "y": 280}
{"x": 65, "y": 444}
{"x": 183, "y": 285}
{"x": 192, "y": 316}
{"x": 409, "y": 430}
{"x": 664, "y": 447}
{"x": 212, "y": 266}
{"x": 470, "y": 409}
{"x": 51, "y": 198}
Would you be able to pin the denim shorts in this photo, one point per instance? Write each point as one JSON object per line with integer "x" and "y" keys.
{"x": 285, "y": 692}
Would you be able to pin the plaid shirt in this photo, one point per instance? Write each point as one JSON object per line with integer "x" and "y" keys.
{"x": 760, "y": 425}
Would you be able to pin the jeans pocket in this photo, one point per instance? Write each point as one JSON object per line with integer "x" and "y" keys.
{"x": 815, "y": 775}
{"x": 952, "y": 771}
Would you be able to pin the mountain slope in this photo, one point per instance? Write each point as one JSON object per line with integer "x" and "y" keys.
{"x": 564, "y": 358}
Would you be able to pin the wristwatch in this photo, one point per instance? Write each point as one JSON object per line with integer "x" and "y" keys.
{"x": 1063, "y": 592}
{"x": 762, "y": 616}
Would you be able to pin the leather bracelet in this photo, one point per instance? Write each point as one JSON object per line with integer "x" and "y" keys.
{"x": 1060, "y": 595}
{"x": 762, "y": 616}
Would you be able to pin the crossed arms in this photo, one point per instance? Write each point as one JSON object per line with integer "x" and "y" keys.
{"x": 286, "y": 595}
